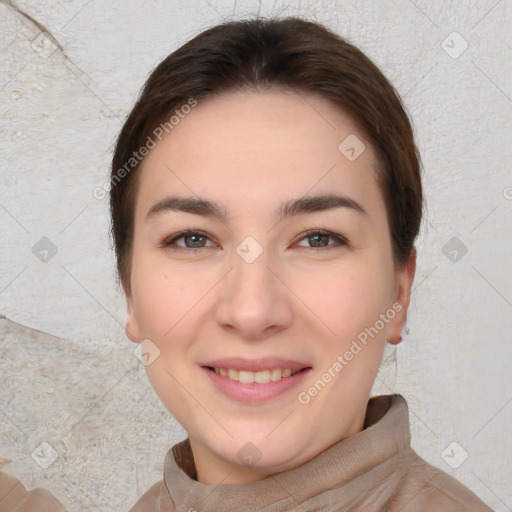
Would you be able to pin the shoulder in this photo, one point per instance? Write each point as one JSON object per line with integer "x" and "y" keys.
{"x": 426, "y": 487}
{"x": 157, "y": 497}
{"x": 14, "y": 496}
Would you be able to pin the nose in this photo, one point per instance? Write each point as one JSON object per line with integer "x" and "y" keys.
{"x": 253, "y": 301}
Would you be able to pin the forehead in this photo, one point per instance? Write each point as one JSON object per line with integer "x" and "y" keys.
{"x": 249, "y": 148}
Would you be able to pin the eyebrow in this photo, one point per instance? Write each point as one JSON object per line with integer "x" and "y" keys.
{"x": 290, "y": 208}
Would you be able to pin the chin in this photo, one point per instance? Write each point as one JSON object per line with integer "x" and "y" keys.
{"x": 265, "y": 456}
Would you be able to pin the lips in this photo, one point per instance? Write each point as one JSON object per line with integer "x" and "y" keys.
{"x": 254, "y": 386}
{"x": 255, "y": 381}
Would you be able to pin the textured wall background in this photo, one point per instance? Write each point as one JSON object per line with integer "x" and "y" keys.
{"x": 70, "y": 71}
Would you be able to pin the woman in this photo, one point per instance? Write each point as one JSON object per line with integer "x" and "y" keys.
{"x": 265, "y": 199}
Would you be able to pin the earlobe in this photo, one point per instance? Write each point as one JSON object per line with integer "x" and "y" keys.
{"x": 132, "y": 327}
{"x": 403, "y": 298}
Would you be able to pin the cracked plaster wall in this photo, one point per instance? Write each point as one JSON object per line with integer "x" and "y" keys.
{"x": 68, "y": 376}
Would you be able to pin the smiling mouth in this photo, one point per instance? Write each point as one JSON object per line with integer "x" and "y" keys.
{"x": 260, "y": 377}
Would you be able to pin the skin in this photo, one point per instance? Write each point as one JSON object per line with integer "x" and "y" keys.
{"x": 303, "y": 298}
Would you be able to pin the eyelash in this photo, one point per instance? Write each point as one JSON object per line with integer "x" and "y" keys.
{"x": 341, "y": 241}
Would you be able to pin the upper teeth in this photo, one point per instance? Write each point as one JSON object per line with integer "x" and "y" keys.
{"x": 261, "y": 377}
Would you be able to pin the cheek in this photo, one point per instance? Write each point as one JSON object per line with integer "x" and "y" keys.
{"x": 348, "y": 300}
{"x": 163, "y": 297}
{"x": 165, "y": 309}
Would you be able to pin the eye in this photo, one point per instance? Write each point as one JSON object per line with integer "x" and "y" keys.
{"x": 320, "y": 238}
{"x": 192, "y": 240}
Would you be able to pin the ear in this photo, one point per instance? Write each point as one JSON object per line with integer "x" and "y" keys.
{"x": 405, "y": 278}
{"x": 132, "y": 325}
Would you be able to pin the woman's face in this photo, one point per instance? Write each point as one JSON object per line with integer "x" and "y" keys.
{"x": 274, "y": 280}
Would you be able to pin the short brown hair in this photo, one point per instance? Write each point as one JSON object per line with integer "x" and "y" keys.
{"x": 287, "y": 53}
